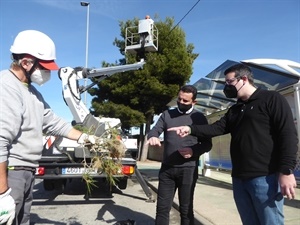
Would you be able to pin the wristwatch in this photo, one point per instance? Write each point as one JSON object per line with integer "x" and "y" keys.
{"x": 286, "y": 171}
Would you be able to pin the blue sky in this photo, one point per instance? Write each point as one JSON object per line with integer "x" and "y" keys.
{"x": 219, "y": 30}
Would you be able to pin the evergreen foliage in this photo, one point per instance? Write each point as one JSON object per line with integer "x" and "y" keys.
{"x": 136, "y": 96}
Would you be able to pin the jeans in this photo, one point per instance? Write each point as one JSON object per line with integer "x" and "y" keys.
{"x": 170, "y": 179}
{"x": 259, "y": 200}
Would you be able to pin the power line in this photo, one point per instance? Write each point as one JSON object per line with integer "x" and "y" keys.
{"x": 185, "y": 16}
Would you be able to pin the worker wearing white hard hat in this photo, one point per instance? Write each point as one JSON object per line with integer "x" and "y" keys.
{"x": 38, "y": 49}
{"x": 24, "y": 117}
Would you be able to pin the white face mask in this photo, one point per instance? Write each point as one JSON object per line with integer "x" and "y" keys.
{"x": 40, "y": 76}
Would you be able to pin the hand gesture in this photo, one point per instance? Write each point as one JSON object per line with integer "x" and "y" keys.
{"x": 182, "y": 131}
{"x": 154, "y": 141}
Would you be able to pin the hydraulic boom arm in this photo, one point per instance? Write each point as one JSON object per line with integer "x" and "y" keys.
{"x": 71, "y": 91}
{"x": 147, "y": 36}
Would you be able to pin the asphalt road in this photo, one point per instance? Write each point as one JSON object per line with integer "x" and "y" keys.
{"x": 102, "y": 207}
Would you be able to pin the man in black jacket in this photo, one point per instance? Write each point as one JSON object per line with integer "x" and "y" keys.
{"x": 180, "y": 162}
{"x": 263, "y": 147}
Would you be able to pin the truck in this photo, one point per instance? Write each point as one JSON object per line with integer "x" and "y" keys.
{"x": 280, "y": 75}
{"x": 62, "y": 159}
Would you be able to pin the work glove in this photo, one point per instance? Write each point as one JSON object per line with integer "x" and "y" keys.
{"x": 7, "y": 208}
{"x": 85, "y": 138}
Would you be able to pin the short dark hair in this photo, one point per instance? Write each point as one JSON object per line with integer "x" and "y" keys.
{"x": 189, "y": 89}
{"x": 241, "y": 70}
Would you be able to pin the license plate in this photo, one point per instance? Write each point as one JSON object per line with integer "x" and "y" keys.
{"x": 77, "y": 170}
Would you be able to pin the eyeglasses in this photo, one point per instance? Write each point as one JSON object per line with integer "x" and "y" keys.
{"x": 38, "y": 65}
{"x": 230, "y": 81}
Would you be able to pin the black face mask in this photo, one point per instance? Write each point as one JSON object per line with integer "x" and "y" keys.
{"x": 183, "y": 107}
{"x": 230, "y": 91}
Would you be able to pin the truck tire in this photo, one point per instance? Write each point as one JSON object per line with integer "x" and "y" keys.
{"x": 48, "y": 185}
{"x": 122, "y": 183}
{"x": 54, "y": 184}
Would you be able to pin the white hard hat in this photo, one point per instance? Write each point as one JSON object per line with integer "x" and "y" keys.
{"x": 37, "y": 44}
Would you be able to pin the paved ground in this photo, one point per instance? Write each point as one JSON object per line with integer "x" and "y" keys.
{"x": 213, "y": 201}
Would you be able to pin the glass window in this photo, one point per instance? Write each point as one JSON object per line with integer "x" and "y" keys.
{"x": 211, "y": 98}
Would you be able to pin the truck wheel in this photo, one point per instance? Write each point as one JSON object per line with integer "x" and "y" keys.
{"x": 48, "y": 185}
{"x": 122, "y": 183}
{"x": 60, "y": 184}
{"x": 52, "y": 184}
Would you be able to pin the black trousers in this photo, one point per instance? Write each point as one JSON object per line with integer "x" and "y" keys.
{"x": 172, "y": 179}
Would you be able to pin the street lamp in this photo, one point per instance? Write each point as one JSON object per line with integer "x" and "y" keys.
{"x": 84, "y": 4}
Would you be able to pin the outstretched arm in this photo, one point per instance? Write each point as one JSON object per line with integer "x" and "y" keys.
{"x": 182, "y": 131}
